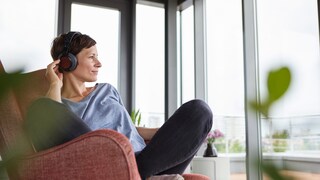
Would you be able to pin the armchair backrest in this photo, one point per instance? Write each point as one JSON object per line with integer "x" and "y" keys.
{"x": 14, "y": 104}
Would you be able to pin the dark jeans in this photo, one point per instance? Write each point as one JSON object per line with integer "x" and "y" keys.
{"x": 170, "y": 151}
{"x": 177, "y": 141}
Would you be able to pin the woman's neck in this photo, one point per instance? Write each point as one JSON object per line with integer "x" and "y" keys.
{"x": 75, "y": 90}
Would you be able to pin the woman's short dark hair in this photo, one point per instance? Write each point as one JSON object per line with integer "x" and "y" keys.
{"x": 78, "y": 43}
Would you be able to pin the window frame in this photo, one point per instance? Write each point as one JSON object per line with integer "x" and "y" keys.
{"x": 126, "y": 42}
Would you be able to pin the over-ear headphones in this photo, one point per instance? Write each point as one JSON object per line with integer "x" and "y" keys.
{"x": 68, "y": 61}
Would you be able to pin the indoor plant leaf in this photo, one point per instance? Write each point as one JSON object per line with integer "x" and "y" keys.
{"x": 278, "y": 83}
{"x": 10, "y": 80}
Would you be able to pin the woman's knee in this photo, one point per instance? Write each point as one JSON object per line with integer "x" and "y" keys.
{"x": 200, "y": 105}
{"x": 200, "y": 110}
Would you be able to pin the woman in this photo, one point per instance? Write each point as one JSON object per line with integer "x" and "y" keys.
{"x": 71, "y": 109}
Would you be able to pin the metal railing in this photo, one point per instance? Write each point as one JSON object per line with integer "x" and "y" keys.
{"x": 303, "y": 135}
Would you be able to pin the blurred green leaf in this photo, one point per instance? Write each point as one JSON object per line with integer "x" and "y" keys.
{"x": 132, "y": 115}
{"x": 262, "y": 108}
{"x": 278, "y": 83}
{"x": 10, "y": 80}
{"x": 273, "y": 172}
{"x": 139, "y": 119}
{"x": 136, "y": 117}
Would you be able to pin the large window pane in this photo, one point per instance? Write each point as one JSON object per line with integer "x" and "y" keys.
{"x": 150, "y": 64}
{"x": 187, "y": 54}
{"x": 289, "y": 35}
{"x": 102, "y": 24}
{"x": 26, "y": 31}
{"x": 226, "y": 80}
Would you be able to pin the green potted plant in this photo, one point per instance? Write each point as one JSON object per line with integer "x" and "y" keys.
{"x": 136, "y": 117}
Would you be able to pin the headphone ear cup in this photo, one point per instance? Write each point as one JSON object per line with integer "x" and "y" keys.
{"x": 74, "y": 62}
{"x": 68, "y": 62}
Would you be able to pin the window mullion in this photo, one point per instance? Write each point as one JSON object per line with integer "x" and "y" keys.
{"x": 200, "y": 55}
{"x": 253, "y": 132}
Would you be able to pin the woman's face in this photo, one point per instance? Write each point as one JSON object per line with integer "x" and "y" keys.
{"x": 88, "y": 65}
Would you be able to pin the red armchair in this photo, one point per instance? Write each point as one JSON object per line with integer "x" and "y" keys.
{"x": 101, "y": 154}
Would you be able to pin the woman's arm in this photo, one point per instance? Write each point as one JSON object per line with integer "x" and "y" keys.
{"x": 147, "y": 133}
{"x": 54, "y": 78}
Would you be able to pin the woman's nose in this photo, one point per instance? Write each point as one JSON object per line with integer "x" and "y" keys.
{"x": 98, "y": 63}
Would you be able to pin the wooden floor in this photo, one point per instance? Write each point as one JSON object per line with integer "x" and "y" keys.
{"x": 294, "y": 174}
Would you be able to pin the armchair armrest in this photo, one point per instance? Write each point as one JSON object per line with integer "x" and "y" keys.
{"x": 100, "y": 154}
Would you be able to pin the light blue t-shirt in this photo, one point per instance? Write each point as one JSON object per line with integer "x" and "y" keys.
{"x": 103, "y": 108}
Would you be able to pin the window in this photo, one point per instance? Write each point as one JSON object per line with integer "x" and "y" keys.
{"x": 225, "y": 69}
{"x": 289, "y": 36}
{"x": 226, "y": 78}
{"x": 149, "y": 75}
{"x": 27, "y": 29}
{"x": 105, "y": 30}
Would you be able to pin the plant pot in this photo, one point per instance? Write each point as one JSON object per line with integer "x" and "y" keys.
{"x": 210, "y": 151}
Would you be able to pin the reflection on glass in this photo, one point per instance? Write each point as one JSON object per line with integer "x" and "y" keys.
{"x": 226, "y": 80}
{"x": 26, "y": 31}
{"x": 187, "y": 55}
{"x": 150, "y": 64}
{"x": 102, "y": 24}
{"x": 289, "y": 35}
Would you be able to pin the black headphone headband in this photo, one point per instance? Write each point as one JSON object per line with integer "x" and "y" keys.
{"x": 68, "y": 39}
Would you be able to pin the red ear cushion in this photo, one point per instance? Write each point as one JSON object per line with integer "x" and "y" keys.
{"x": 65, "y": 62}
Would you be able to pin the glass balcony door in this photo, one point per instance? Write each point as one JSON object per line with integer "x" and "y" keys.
{"x": 289, "y": 36}
{"x": 226, "y": 80}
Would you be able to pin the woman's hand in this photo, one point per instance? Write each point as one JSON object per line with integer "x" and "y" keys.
{"x": 55, "y": 80}
{"x": 147, "y": 133}
{"x": 53, "y": 75}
